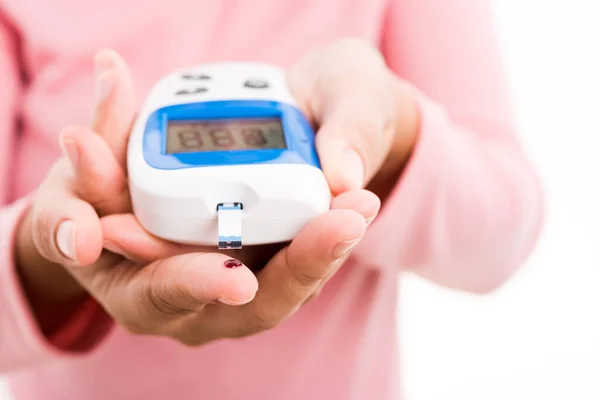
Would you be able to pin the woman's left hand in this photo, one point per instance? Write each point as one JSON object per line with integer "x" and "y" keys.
{"x": 367, "y": 121}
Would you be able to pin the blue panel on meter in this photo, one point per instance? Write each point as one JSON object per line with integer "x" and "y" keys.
{"x": 191, "y": 123}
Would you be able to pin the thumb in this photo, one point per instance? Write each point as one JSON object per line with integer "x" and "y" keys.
{"x": 353, "y": 142}
{"x": 345, "y": 90}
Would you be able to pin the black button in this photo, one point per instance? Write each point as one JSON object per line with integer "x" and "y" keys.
{"x": 256, "y": 84}
{"x": 192, "y": 91}
{"x": 196, "y": 77}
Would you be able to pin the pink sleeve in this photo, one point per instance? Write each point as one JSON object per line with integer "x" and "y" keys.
{"x": 21, "y": 341}
{"x": 468, "y": 209}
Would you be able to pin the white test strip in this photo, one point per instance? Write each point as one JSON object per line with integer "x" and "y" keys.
{"x": 230, "y": 216}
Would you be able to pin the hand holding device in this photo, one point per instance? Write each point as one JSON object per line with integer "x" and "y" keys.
{"x": 149, "y": 285}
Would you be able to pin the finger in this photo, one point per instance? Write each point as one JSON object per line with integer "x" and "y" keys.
{"x": 293, "y": 274}
{"x": 100, "y": 180}
{"x": 349, "y": 98}
{"x": 115, "y": 102}
{"x": 110, "y": 59}
{"x": 362, "y": 201}
{"x": 151, "y": 299}
{"x": 124, "y": 235}
{"x": 354, "y": 140}
{"x": 66, "y": 230}
{"x": 192, "y": 280}
{"x": 324, "y": 282}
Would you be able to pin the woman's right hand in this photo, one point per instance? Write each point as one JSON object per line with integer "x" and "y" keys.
{"x": 62, "y": 227}
{"x": 150, "y": 286}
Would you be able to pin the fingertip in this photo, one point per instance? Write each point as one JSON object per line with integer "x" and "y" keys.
{"x": 347, "y": 229}
{"x": 210, "y": 279}
{"x": 352, "y": 225}
{"x": 319, "y": 238}
{"x": 73, "y": 132}
{"x": 105, "y": 59}
{"x": 362, "y": 201}
{"x": 239, "y": 282}
{"x": 347, "y": 224}
{"x": 242, "y": 290}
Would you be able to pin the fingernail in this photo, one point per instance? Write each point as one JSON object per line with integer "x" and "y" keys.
{"x": 232, "y": 263}
{"x": 369, "y": 220}
{"x": 71, "y": 151}
{"x": 343, "y": 247}
{"x": 353, "y": 168}
{"x": 65, "y": 239}
{"x": 103, "y": 88}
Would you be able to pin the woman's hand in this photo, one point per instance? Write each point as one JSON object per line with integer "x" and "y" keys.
{"x": 367, "y": 120}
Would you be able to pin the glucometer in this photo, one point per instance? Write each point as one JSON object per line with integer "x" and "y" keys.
{"x": 221, "y": 155}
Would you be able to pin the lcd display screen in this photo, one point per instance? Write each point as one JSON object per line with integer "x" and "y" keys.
{"x": 224, "y": 135}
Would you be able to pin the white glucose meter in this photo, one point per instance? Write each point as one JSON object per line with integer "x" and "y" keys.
{"x": 222, "y": 149}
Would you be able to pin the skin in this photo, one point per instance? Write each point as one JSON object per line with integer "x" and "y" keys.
{"x": 367, "y": 127}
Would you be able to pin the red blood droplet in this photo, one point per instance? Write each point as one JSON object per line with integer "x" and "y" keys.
{"x": 233, "y": 263}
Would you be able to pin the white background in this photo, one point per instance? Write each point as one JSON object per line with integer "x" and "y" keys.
{"x": 538, "y": 337}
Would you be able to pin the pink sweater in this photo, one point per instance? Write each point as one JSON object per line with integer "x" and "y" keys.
{"x": 465, "y": 214}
